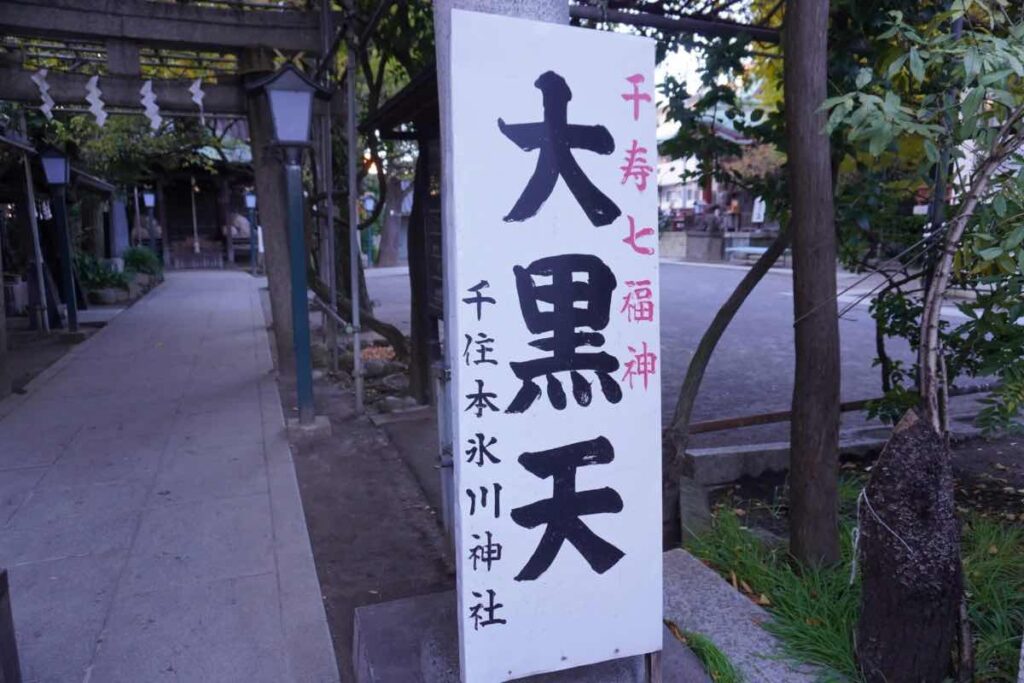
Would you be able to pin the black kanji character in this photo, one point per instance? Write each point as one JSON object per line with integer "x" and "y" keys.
{"x": 483, "y": 500}
{"x": 478, "y": 298}
{"x": 479, "y": 450}
{"x": 481, "y": 351}
{"x": 561, "y": 513}
{"x": 485, "y": 552}
{"x": 556, "y": 138}
{"x": 477, "y": 611}
{"x": 481, "y": 400}
{"x": 574, "y": 279}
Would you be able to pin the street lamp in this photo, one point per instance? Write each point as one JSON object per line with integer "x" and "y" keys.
{"x": 290, "y": 100}
{"x": 57, "y": 170}
{"x": 250, "y": 204}
{"x": 149, "y": 199}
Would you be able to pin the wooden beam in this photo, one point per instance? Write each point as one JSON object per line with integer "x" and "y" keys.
{"x": 162, "y": 24}
{"x": 122, "y": 92}
{"x": 716, "y": 28}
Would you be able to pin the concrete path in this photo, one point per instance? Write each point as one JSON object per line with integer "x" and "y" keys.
{"x": 149, "y": 511}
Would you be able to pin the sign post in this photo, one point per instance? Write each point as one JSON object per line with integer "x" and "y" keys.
{"x": 553, "y": 344}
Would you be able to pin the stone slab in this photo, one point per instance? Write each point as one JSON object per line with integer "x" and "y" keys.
{"x": 415, "y": 640}
{"x": 699, "y": 600}
{"x": 725, "y": 464}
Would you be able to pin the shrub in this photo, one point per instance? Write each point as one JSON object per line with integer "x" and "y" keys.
{"x": 142, "y": 260}
{"x": 95, "y": 274}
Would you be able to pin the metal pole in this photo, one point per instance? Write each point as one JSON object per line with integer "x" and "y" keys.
{"x": 195, "y": 224}
{"x": 152, "y": 232}
{"x": 138, "y": 213}
{"x": 252, "y": 241}
{"x": 353, "y": 222}
{"x": 300, "y": 299}
{"x": 60, "y": 215}
{"x": 37, "y": 250}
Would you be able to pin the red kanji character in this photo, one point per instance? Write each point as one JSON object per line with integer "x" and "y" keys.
{"x": 635, "y": 234}
{"x": 638, "y": 304}
{"x": 636, "y": 96}
{"x": 636, "y": 166}
{"x": 643, "y": 365}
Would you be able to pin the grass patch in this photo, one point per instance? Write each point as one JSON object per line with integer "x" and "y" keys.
{"x": 716, "y": 664}
{"x": 815, "y": 611}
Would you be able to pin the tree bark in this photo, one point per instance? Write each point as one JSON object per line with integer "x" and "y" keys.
{"x": 270, "y": 192}
{"x": 678, "y": 435}
{"x": 392, "y": 225}
{"x": 814, "y": 461}
{"x": 910, "y": 560}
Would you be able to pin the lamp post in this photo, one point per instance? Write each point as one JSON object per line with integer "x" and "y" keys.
{"x": 149, "y": 199}
{"x": 290, "y": 98}
{"x": 57, "y": 170}
{"x": 250, "y": 204}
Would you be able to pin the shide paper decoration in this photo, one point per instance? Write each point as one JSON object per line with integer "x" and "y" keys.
{"x": 39, "y": 78}
{"x": 95, "y": 100}
{"x": 150, "y": 105}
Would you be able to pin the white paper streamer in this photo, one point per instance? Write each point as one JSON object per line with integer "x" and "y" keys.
{"x": 150, "y": 105}
{"x": 95, "y": 100}
{"x": 197, "y": 96}
{"x": 39, "y": 78}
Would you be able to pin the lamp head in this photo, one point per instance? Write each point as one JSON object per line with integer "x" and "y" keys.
{"x": 290, "y": 98}
{"x": 56, "y": 167}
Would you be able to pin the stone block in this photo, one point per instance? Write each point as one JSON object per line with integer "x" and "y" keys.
{"x": 704, "y": 246}
{"x": 672, "y": 245}
{"x": 698, "y": 600}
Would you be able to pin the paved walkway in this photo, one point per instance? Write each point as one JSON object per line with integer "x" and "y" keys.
{"x": 149, "y": 511}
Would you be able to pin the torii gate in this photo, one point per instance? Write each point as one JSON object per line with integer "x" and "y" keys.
{"x": 123, "y": 31}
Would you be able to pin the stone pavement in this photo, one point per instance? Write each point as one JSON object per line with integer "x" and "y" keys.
{"x": 149, "y": 511}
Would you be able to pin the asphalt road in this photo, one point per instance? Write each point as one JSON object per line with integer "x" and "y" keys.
{"x": 751, "y": 371}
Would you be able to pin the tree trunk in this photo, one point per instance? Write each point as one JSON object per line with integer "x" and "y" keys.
{"x": 678, "y": 434}
{"x": 270, "y": 192}
{"x": 814, "y": 460}
{"x": 392, "y": 224}
{"x": 419, "y": 280}
{"x": 910, "y": 566}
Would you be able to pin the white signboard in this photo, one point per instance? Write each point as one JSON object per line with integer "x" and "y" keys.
{"x": 554, "y": 346}
{"x": 760, "y": 208}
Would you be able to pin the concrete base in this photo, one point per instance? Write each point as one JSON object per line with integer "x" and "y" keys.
{"x": 73, "y": 337}
{"x": 320, "y": 428}
{"x": 416, "y": 639}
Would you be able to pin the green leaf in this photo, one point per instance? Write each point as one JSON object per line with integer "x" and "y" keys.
{"x": 991, "y": 253}
{"x": 916, "y": 65}
{"x": 931, "y": 151}
{"x": 999, "y": 205}
{"x": 1015, "y": 238}
{"x": 863, "y": 78}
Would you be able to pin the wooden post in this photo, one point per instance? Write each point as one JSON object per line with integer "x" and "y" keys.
{"x": 5, "y": 379}
{"x": 37, "y": 251}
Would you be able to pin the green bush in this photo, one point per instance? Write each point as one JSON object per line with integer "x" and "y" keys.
{"x": 95, "y": 274}
{"x": 142, "y": 260}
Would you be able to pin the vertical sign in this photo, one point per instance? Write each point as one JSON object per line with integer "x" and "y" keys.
{"x": 554, "y": 348}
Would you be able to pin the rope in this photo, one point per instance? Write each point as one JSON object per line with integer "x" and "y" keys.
{"x": 862, "y": 497}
